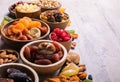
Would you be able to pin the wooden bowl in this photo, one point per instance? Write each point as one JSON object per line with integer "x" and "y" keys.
{"x": 44, "y": 69}
{"x": 24, "y": 68}
{"x": 17, "y": 44}
{"x": 7, "y": 53}
{"x": 55, "y": 8}
{"x": 53, "y": 25}
{"x": 31, "y": 14}
{"x": 66, "y": 44}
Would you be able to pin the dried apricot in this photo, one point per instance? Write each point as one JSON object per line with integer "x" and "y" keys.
{"x": 34, "y": 24}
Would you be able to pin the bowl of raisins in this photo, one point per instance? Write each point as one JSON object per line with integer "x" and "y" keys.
{"x": 55, "y": 19}
{"x": 16, "y": 72}
{"x": 44, "y": 56}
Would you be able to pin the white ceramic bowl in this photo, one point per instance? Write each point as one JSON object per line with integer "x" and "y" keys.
{"x": 24, "y": 68}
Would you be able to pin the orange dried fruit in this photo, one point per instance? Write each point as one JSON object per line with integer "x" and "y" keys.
{"x": 19, "y": 27}
{"x": 25, "y": 22}
{"x": 35, "y": 24}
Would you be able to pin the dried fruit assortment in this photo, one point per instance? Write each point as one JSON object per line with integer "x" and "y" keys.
{"x": 27, "y": 7}
{"x": 73, "y": 71}
{"x": 60, "y": 35}
{"x": 7, "y": 56}
{"x": 15, "y": 75}
{"x": 54, "y": 16}
{"x": 44, "y": 53}
{"x": 49, "y": 3}
{"x": 25, "y": 29}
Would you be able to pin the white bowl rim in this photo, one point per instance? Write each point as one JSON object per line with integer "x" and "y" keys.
{"x": 36, "y": 65}
{"x": 28, "y": 67}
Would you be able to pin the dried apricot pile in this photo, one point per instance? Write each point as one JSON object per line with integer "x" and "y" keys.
{"x": 25, "y": 29}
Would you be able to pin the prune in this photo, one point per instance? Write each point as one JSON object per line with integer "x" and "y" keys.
{"x": 17, "y": 75}
{"x": 90, "y": 77}
{"x": 58, "y": 17}
{"x": 51, "y": 19}
{"x": 13, "y": 70}
{"x": 43, "y": 62}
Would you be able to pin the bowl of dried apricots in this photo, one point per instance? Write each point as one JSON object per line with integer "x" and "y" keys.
{"x": 44, "y": 56}
{"x": 21, "y": 31}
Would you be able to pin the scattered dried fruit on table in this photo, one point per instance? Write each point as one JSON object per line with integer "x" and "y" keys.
{"x": 73, "y": 57}
{"x": 70, "y": 70}
{"x": 82, "y": 75}
{"x": 73, "y": 45}
{"x": 87, "y": 80}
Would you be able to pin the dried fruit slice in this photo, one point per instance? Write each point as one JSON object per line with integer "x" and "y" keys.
{"x": 35, "y": 32}
{"x": 70, "y": 70}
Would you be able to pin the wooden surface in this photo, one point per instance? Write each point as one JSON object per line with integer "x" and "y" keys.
{"x": 98, "y": 24}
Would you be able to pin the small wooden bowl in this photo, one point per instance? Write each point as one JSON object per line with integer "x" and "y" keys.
{"x": 10, "y": 51}
{"x": 24, "y": 68}
{"x": 55, "y": 8}
{"x": 44, "y": 69}
{"x": 34, "y": 14}
{"x": 53, "y": 25}
{"x": 17, "y": 44}
{"x": 66, "y": 44}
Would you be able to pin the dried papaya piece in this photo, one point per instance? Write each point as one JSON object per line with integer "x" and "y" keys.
{"x": 27, "y": 18}
{"x": 35, "y": 24}
{"x": 18, "y": 28}
{"x": 25, "y": 22}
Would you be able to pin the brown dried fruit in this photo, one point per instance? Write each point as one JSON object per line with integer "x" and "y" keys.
{"x": 83, "y": 75}
{"x": 73, "y": 45}
{"x": 27, "y": 52}
{"x": 73, "y": 57}
{"x": 56, "y": 57}
{"x": 43, "y": 62}
{"x": 1, "y": 61}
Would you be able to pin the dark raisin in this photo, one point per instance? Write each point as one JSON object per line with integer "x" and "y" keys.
{"x": 90, "y": 77}
{"x": 58, "y": 17}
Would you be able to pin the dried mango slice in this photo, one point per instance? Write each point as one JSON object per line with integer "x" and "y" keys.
{"x": 70, "y": 70}
{"x": 35, "y": 32}
{"x": 19, "y": 27}
{"x": 35, "y": 24}
{"x": 25, "y": 22}
{"x": 62, "y": 10}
